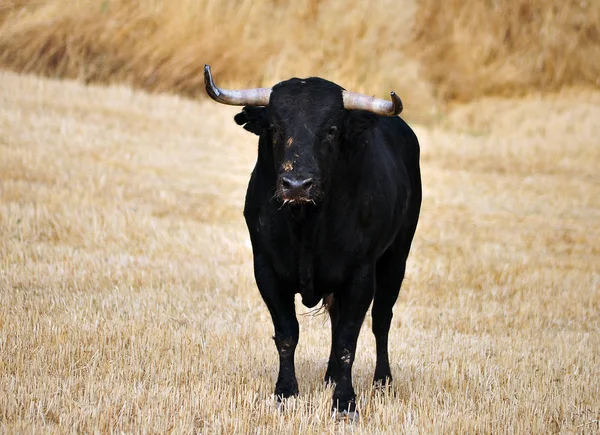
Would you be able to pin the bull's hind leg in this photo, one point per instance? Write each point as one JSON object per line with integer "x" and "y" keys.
{"x": 332, "y": 373}
{"x": 390, "y": 273}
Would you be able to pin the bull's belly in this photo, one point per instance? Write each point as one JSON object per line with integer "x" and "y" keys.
{"x": 324, "y": 288}
{"x": 327, "y": 276}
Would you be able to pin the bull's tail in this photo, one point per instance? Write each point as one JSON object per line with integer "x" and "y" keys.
{"x": 328, "y": 301}
{"x": 324, "y": 308}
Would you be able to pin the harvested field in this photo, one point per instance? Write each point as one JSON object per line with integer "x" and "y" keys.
{"x": 127, "y": 301}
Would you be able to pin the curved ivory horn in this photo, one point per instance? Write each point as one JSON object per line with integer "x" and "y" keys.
{"x": 243, "y": 97}
{"x": 355, "y": 101}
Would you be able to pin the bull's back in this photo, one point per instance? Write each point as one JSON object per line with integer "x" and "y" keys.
{"x": 402, "y": 143}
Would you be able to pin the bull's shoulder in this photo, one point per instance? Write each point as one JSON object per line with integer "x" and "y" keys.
{"x": 395, "y": 134}
{"x": 392, "y": 155}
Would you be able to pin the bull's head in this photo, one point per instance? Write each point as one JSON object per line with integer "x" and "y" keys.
{"x": 307, "y": 121}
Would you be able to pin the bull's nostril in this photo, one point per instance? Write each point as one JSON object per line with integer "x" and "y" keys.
{"x": 289, "y": 183}
{"x": 307, "y": 184}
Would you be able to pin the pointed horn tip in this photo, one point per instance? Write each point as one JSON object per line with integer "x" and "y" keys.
{"x": 397, "y": 103}
{"x": 209, "y": 84}
{"x": 207, "y": 73}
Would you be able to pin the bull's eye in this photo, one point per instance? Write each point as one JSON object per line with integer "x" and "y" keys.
{"x": 332, "y": 132}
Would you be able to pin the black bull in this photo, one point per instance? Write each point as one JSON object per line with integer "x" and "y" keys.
{"x": 332, "y": 207}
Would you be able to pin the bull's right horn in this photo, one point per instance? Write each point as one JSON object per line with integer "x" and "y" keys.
{"x": 243, "y": 97}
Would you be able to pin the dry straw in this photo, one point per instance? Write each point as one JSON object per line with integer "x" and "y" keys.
{"x": 426, "y": 51}
{"x": 128, "y": 304}
{"x": 508, "y": 47}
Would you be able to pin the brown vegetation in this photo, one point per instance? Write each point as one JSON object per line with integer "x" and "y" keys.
{"x": 127, "y": 301}
{"x": 423, "y": 50}
{"x": 163, "y": 46}
{"x": 508, "y": 47}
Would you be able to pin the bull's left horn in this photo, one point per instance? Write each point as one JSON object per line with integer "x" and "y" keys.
{"x": 242, "y": 97}
{"x": 355, "y": 101}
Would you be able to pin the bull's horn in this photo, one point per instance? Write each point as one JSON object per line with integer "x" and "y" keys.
{"x": 355, "y": 101}
{"x": 243, "y": 97}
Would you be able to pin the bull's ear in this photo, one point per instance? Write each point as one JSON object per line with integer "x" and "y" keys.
{"x": 254, "y": 119}
{"x": 356, "y": 122}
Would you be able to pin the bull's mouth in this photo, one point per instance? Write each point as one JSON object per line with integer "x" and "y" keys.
{"x": 297, "y": 201}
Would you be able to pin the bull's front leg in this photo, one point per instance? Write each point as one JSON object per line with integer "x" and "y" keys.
{"x": 281, "y": 306}
{"x": 354, "y": 304}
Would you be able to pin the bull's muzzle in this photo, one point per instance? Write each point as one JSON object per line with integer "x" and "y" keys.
{"x": 295, "y": 189}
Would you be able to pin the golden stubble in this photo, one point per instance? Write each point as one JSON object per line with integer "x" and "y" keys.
{"x": 127, "y": 301}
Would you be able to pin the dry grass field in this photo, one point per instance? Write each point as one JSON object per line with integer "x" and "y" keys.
{"x": 427, "y": 53}
{"x": 127, "y": 301}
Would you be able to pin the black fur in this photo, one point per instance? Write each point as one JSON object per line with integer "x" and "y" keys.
{"x": 348, "y": 235}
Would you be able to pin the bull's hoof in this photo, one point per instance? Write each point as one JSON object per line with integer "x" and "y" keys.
{"x": 345, "y": 410}
{"x": 349, "y": 416}
{"x": 285, "y": 391}
{"x": 381, "y": 382}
